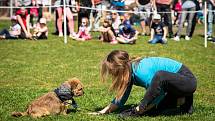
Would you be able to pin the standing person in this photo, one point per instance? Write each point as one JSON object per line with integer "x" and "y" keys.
{"x": 165, "y": 7}
{"x": 187, "y": 5}
{"x": 118, "y": 5}
{"x": 158, "y": 31}
{"x": 98, "y": 4}
{"x": 23, "y": 19}
{"x": 160, "y": 76}
{"x": 21, "y": 3}
{"x": 40, "y": 3}
{"x": 144, "y": 6}
{"x": 83, "y": 12}
{"x": 69, "y": 16}
{"x": 211, "y": 8}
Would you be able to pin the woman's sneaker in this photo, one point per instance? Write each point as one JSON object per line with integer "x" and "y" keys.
{"x": 187, "y": 38}
{"x": 209, "y": 38}
{"x": 72, "y": 35}
{"x": 130, "y": 112}
{"x": 176, "y": 38}
{"x": 213, "y": 40}
{"x": 60, "y": 35}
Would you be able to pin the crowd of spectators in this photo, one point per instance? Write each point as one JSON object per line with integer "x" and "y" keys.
{"x": 155, "y": 18}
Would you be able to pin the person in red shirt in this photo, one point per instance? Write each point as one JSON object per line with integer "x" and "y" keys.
{"x": 23, "y": 19}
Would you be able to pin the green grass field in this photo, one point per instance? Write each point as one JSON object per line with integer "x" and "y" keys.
{"x": 29, "y": 69}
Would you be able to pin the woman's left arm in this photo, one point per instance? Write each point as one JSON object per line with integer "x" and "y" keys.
{"x": 109, "y": 109}
{"x": 115, "y": 103}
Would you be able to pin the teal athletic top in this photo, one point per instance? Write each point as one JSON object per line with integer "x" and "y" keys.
{"x": 143, "y": 73}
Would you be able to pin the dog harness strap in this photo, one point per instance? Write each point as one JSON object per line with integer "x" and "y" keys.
{"x": 63, "y": 93}
{"x": 74, "y": 104}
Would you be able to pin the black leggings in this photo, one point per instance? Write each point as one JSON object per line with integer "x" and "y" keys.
{"x": 180, "y": 84}
{"x": 7, "y": 34}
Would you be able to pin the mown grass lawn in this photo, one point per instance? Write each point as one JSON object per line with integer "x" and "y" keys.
{"x": 29, "y": 69}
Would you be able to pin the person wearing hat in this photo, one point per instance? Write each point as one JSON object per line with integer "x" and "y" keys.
{"x": 158, "y": 31}
{"x": 127, "y": 34}
{"x": 13, "y": 32}
{"x": 41, "y": 31}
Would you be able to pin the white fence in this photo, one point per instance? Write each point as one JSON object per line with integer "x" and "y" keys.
{"x": 11, "y": 7}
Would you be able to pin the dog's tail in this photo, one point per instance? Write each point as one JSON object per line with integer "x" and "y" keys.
{"x": 19, "y": 114}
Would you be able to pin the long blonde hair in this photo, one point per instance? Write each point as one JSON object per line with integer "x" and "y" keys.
{"x": 117, "y": 65}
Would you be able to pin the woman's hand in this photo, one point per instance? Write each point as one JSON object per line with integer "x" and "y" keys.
{"x": 108, "y": 109}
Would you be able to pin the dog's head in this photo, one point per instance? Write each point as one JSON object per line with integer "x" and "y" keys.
{"x": 76, "y": 86}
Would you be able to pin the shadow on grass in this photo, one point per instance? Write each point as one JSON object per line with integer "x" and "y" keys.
{"x": 151, "y": 113}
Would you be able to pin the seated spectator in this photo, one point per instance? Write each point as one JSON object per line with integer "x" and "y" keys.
{"x": 107, "y": 33}
{"x": 13, "y": 32}
{"x": 158, "y": 31}
{"x": 127, "y": 35}
{"x": 28, "y": 4}
{"x": 115, "y": 21}
{"x": 23, "y": 19}
{"x": 84, "y": 32}
{"x": 41, "y": 31}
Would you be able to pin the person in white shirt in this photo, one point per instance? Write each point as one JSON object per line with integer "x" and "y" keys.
{"x": 13, "y": 32}
{"x": 116, "y": 21}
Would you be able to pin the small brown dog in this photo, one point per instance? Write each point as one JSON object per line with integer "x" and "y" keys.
{"x": 54, "y": 102}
